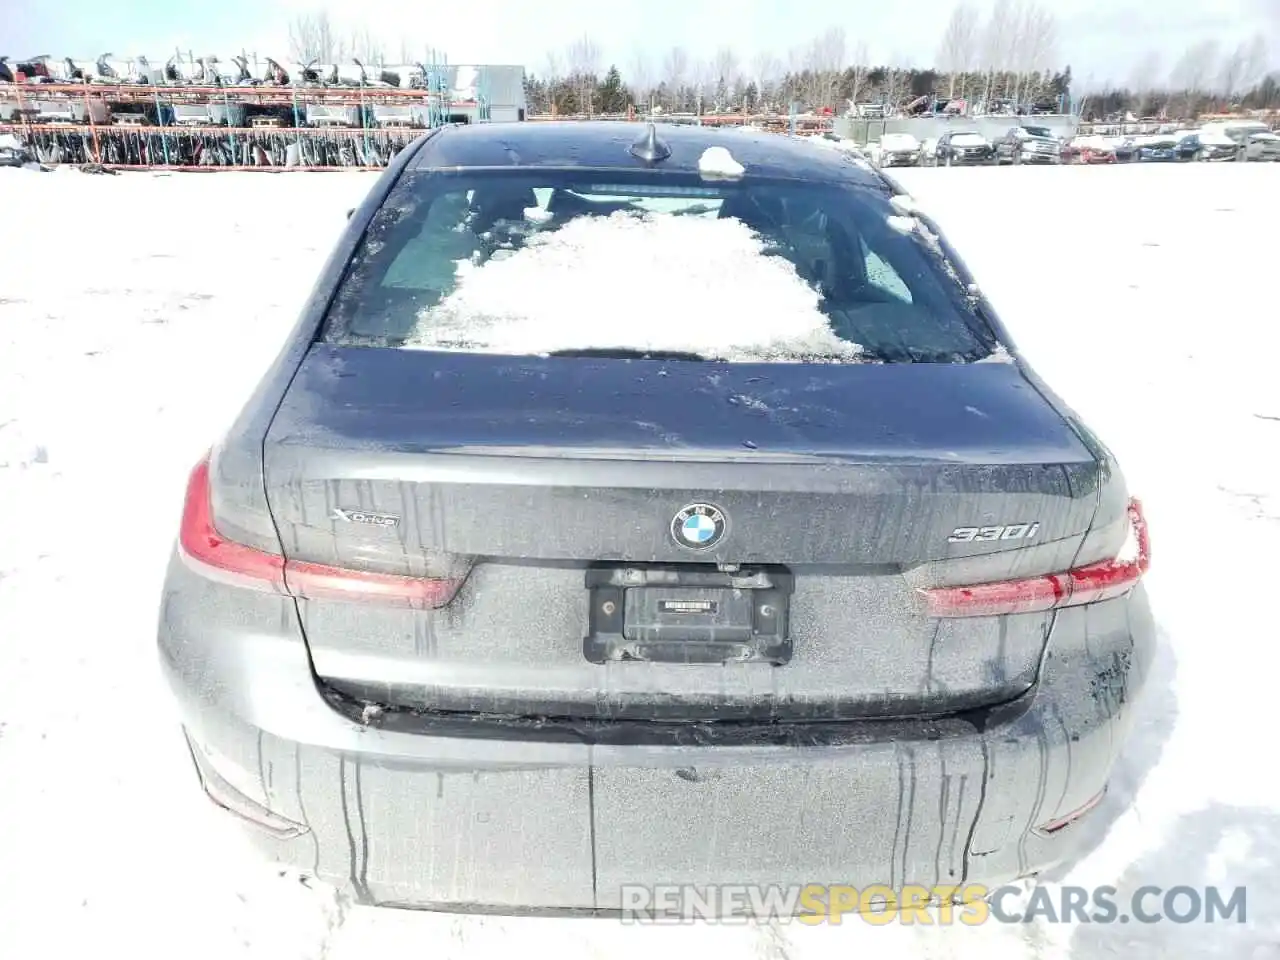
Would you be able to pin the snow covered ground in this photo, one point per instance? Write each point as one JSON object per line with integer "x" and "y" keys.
{"x": 136, "y": 312}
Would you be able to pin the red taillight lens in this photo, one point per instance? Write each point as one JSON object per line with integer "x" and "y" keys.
{"x": 315, "y": 581}
{"x": 1088, "y": 584}
{"x": 202, "y": 543}
{"x": 257, "y": 569}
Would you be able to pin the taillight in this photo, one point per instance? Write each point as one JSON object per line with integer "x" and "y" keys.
{"x": 1088, "y": 584}
{"x": 257, "y": 569}
{"x": 202, "y": 543}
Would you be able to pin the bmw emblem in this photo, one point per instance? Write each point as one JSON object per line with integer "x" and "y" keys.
{"x": 699, "y": 526}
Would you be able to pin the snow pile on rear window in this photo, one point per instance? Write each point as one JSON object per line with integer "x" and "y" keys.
{"x": 646, "y": 282}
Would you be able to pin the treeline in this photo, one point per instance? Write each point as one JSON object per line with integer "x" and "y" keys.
{"x": 588, "y": 95}
{"x": 582, "y": 94}
{"x": 1010, "y": 54}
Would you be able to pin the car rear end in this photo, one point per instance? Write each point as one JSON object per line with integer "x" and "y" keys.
{"x": 489, "y": 603}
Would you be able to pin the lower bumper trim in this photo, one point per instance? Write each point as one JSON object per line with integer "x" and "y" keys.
{"x": 227, "y": 797}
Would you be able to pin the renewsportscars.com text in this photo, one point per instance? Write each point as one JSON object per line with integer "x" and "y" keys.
{"x": 968, "y": 905}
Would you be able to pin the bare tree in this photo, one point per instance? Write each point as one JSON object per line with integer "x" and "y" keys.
{"x": 640, "y": 74}
{"x": 552, "y": 66}
{"x": 794, "y": 71}
{"x": 1192, "y": 73}
{"x": 1146, "y": 72}
{"x": 959, "y": 46}
{"x": 311, "y": 38}
{"x": 1256, "y": 61}
{"x": 996, "y": 40}
{"x": 1035, "y": 44}
{"x": 859, "y": 66}
{"x": 675, "y": 71}
{"x": 584, "y": 63}
{"x": 1232, "y": 70}
{"x": 583, "y": 55}
{"x": 827, "y": 59}
{"x": 702, "y": 76}
{"x": 363, "y": 46}
{"x": 727, "y": 72}
{"x": 1145, "y": 78}
{"x": 896, "y": 78}
{"x": 1019, "y": 11}
{"x": 763, "y": 73}
{"x": 553, "y": 76}
{"x": 1194, "y": 68}
{"x": 764, "y": 67}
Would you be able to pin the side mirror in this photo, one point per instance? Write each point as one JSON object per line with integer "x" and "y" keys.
{"x": 350, "y": 212}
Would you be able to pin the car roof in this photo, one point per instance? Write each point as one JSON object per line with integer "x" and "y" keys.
{"x": 604, "y": 145}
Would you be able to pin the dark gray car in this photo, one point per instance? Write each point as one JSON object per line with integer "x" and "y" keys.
{"x": 1028, "y": 144}
{"x": 455, "y": 623}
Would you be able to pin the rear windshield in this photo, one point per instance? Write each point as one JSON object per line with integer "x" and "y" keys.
{"x": 564, "y": 262}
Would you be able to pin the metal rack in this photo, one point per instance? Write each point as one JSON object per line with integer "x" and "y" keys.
{"x": 246, "y": 126}
{"x": 213, "y": 148}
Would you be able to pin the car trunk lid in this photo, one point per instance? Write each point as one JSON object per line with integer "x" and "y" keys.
{"x": 536, "y": 483}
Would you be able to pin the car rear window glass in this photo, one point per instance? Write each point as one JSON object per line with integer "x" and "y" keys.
{"x": 557, "y": 261}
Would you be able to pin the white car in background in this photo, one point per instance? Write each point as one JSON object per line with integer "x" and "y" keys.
{"x": 1257, "y": 139}
{"x": 1263, "y": 145}
{"x": 894, "y": 150}
{"x": 1215, "y": 145}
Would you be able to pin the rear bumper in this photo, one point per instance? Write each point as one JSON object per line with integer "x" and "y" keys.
{"x": 520, "y": 823}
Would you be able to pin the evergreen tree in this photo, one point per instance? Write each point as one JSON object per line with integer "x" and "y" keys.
{"x": 612, "y": 95}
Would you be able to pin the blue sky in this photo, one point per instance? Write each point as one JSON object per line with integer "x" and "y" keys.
{"x": 1102, "y": 39}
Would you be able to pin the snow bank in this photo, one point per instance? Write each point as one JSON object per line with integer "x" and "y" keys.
{"x": 704, "y": 286}
{"x": 142, "y": 353}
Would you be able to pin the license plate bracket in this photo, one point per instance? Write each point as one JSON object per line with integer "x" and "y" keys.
{"x": 688, "y": 613}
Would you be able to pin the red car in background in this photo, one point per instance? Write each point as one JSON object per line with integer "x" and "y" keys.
{"x": 1088, "y": 150}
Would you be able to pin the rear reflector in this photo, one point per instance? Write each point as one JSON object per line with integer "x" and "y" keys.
{"x": 1088, "y": 584}
{"x": 256, "y": 569}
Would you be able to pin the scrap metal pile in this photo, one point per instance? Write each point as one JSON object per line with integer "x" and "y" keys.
{"x": 245, "y": 112}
